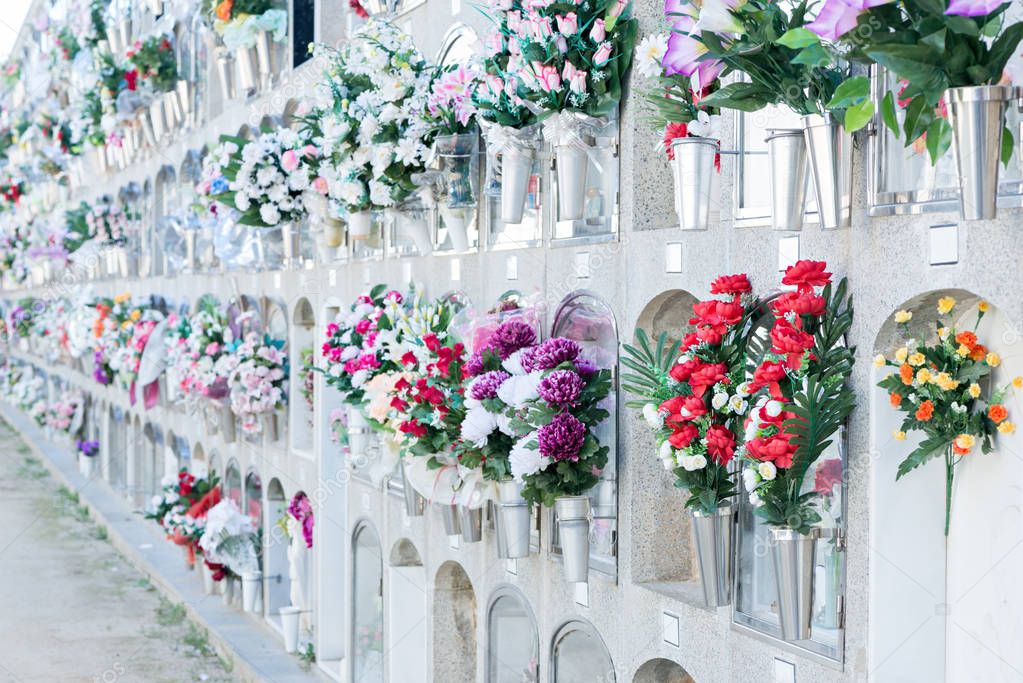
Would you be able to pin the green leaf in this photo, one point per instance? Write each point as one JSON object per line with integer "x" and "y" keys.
{"x": 748, "y": 97}
{"x": 939, "y": 139}
{"x": 964, "y": 26}
{"x": 888, "y": 113}
{"x": 798, "y": 38}
{"x": 851, "y": 91}
{"x": 935, "y": 40}
{"x": 1003, "y": 48}
{"x": 814, "y": 56}
{"x": 1008, "y": 146}
{"x": 858, "y": 115}
{"x": 920, "y": 64}
{"x": 918, "y": 117}
{"x": 931, "y": 447}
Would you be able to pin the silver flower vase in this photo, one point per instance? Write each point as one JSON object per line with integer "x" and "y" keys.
{"x": 829, "y": 150}
{"x": 574, "y": 536}
{"x": 794, "y": 555}
{"x": 449, "y": 515}
{"x": 415, "y": 504}
{"x": 226, "y": 74}
{"x": 516, "y": 170}
{"x": 512, "y": 520}
{"x": 786, "y": 153}
{"x": 713, "y": 533}
{"x": 693, "y": 167}
{"x": 977, "y": 116}
{"x": 471, "y": 523}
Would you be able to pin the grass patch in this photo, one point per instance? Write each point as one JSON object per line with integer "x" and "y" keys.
{"x": 100, "y": 533}
{"x": 67, "y": 496}
{"x": 306, "y": 655}
{"x": 169, "y": 613}
{"x": 199, "y": 640}
{"x": 31, "y": 468}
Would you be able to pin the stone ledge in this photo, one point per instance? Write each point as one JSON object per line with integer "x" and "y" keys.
{"x": 254, "y": 651}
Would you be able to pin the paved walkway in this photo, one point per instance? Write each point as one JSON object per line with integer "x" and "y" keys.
{"x": 71, "y": 607}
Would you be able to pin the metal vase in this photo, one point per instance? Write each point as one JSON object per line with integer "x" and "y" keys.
{"x": 693, "y": 167}
{"x": 185, "y": 93}
{"x": 148, "y": 132}
{"x": 786, "y": 154}
{"x": 713, "y": 533}
{"x": 246, "y": 63}
{"x": 360, "y": 224}
{"x": 271, "y": 427}
{"x": 513, "y": 520}
{"x": 264, "y": 59}
{"x": 291, "y": 234}
{"x": 358, "y": 432}
{"x": 158, "y": 120}
{"x": 191, "y": 262}
{"x": 573, "y": 162}
{"x": 793, "y": 555}
{"x": 252, "y": 584}
{"x": 829, "y": 151}
{"x": 224, "y": 421}
{"x": 516, "y": 169}
{"x": 173, "y": 111}
{"x": 574, "y": 536}
{"x": 977, "y": 116}
{"x": 226, "y": 74}
{"x": 471, "y": 521}
{"x": 449, "y": 515}
{"x": 415, "y": 504}
{"x": 413, "y": 224}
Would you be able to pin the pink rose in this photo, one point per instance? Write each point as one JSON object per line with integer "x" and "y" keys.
{"x": 602, "y": 54}
{"x": 212, "y": 348}
{"x": 568, "y": 24}
{"x": 547, "y": 77}
{"x": 362, "y": 327}
{"x": 289, "y": 160}
{"x": 598, "y": 33}
{"x": 320, "y": 185}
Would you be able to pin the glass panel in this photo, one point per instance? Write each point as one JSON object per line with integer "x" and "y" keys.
{"x": 513, "y": 644}
{"x": 600, "y": 189}
{"x": 303, "y": 29}
{"x": 254, "y": 499}
{"x": 580, "y": 656}
{"x": 588, "y": 320}
{"x": 756, "y": 592}
{"x": 233, "y": 483}
{"x": 367, "y": 608}
{"x": 904, "y": 174}
{"x": 753, "y": 198}
{"x": 501, "y": 235}
{"x": 410, "y": 230}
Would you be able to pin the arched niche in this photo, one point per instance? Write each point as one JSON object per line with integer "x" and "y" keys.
{"x": 254, "y": 499}
{"x": 970, "y": 580}
{"x": 233, "y": 483}
{"x": 136, "y": 463}
{"x": 275, "y": 318}
{"x": 190, "y": 171}
{"x": 661, "y": 671}
{"x": 270, "y": 122}
{"x": 454, "y": 624}
{"x": 756, "y": 594}
{"x": 152, "y": 460}
{"x": 253, "y": 310}
{"x": 661, "y": 541}
{"x": 588, "y": 320}
{"x": 578, "y": 653}
{"x": 275, "y": 558}
{"x": 166, "y": 201}
{"x": 290, "y": 113}
{"x": 198, "y": 464}
{"x": 303, "y": 380}
{"x": 460, "y": 45}
{"x": 407, "y": 588}
{"x": 367, "y": 633}
{"x": 513, "y": 641}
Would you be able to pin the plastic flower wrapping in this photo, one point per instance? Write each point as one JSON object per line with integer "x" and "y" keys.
{"x": 943, "y": 385}
{"x": 361, "y": 343}
{"x": 371, "y": 125}
{"x": 557, "y": 403}
{"x": 258, "y": 373}
{"x": 695, "y": 399}
{"x": 230, "y": 538}
{"x": 134, "y": 336}
{"x": 800, "y": 396}
{"x": 263, "y": 179}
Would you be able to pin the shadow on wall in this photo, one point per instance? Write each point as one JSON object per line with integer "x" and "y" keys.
{"x": 454, "y": 625}
{"x": 657, "y": 506}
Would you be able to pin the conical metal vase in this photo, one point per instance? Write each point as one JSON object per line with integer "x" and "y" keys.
{"x": 829, "y": 150}
{"x": 159, "y": 120}
{"x": 794, "y": 555}
{"x": 449, "y": 515}
{"x": 693, "y": 167}
{"x": 471, "y": 522}
{"x": 246, "y": 63}
{"x": 264, "y": 59}
{"x": 572, "y": 162}
{"x": 574, "y": 536}
{"x": 226, "y": 74}
{"x": 415, "y": 504}
{"x": 977, "y": 116}
{"x": 786, "y": 154}
{"x": 713, "y": 533}
{"x": 358, "y": 432}
{"x": 516, "y": 169}
{"x": 291, "y": 234}
{"x": 512, "y": 520}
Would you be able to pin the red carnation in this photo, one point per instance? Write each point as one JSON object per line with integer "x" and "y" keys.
{"x": 716, "y": 314}
{"x": 736, "y": 285}
{"x": 768, "y": 374}
{"x": 692, "y": 408}
{"x": 431, "y": 341}
{"x": 707, "y": 376}
{"x": 828, "y": 474}
{"x": 688, "y": 342}
{"x": 787, "y": 340}
{"x": 800, "y": 303}
{"x": 709, "y": 335}
{"x": 413, "y": 427}
{"x": 681, "y": 372}
{"x": 131, "y": 78}
{"x": 806, "y": 274}
{"x": 777, "y": 449}
{"x": 409, "y": 359}
{"x": 683, "y": 435}
{"x": 720, "y": 444}
{"x": 673, "y": 131}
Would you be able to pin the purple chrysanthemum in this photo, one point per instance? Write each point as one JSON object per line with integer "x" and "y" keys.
{"x": 585, "y": 367}
{"x": 474, "y": 365}
{"x": 562, "y": 438}
{"x": 553, "y": 352}
{"x": 486, "y": 385}
{"x": 561, "y": 388}
{"x": 511, "y": 336}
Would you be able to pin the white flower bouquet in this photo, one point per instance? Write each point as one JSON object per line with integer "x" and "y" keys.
{"x": 257, "y": 380}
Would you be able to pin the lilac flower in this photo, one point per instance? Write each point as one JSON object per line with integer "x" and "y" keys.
{"x": 87, "y": 448}
{"x": 552, "y": 353}
{"x": 683, "y": 57}
{"x": 562, "y": 438}
{"x": 561, "y": 388}
{"x": 838, "y": 17}
{"x": 973, "y": 8}
{"x": 585, "y": 367}
{"x": 98, "y": 372}
{"x": 486, "y": 385}
{"x": 511, "y": 336}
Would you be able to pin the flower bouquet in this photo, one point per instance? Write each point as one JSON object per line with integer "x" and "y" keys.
{"x": 560, "y": 459}
{"x": 691, "y": 140}
{"x": 134, "y": 334}
{"x": 372, "y": 129}
{"x": 574, "y": 63}
{"x": 800, "y": 401}
{"x": 786, "y": 64}
{"x": 60, "y": 416}
{"x": 696, "y": 404}
{"x": 201, "y": 362}
{"x": 109, "y": 223}
{"x": 496, "y": 386}
{"x": 941, "y": 385}
{"x": 257, "y": 383}
{"x": 230, "y": 539}
{"x": 951, "y": 57}
{"x": 246, "y": 28}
